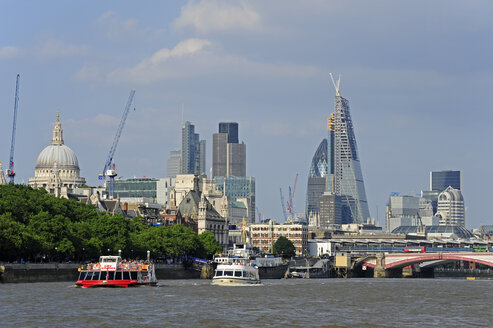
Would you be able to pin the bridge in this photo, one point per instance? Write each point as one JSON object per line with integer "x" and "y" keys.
{"x": 401, "y": 260}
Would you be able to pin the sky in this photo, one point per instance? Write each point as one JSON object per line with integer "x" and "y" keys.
{"x": 418, "y": 76}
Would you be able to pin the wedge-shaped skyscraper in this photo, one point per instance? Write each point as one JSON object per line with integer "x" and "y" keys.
{"x": 348, "y": 179}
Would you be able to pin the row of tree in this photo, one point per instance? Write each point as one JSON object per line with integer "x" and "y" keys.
{"x": 35, "y": 226}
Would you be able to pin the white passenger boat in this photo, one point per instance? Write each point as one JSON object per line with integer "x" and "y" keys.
{"x": 236, "y": 272}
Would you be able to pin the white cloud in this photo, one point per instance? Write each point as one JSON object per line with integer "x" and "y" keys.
{"x": 155, "y": 68}
{"x": 210, "y": 16}
{"x": 198, "y": 57}
{"x": 9, "y": 52}
{"x": 118, "y": 29}
{"x": 88, "y": 73}
{"x": 53, "y": 48}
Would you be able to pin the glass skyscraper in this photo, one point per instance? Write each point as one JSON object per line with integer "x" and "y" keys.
{"x": 231, "y": 128}
{"x": 192, "y": 151}
{"x": 348, "y": 178}
{"x": 317, "y": 179}
{"x": 238, "y": 187}
{"x": 440, "y": 180}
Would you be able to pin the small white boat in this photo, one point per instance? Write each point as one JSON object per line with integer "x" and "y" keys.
{"x": 239, "y": 272}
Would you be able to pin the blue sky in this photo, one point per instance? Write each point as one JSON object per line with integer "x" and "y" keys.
{"x": 418, "y": 75}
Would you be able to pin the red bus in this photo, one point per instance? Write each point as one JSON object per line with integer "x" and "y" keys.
{"x": 415, "y": 249}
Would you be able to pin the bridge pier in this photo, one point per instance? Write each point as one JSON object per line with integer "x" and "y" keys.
{"x": 379, "y": 271}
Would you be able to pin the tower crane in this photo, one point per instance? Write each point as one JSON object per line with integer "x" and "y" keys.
{"x": 109, "y": 168}
{"x": 290, "y": 203}
{"x": 283, "y": 207}
{"x": 10, "y": 171}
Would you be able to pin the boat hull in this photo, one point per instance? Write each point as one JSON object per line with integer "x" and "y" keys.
{"x": 232, "y": 281}
{"x": 112, "y": 283}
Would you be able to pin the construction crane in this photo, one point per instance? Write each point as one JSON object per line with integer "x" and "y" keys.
{"x": 109, "y": 168}
{"x": 283, "y": 207}
{"x": 290, "y": 203}
{"x": 10, "y": 171}
{"x": 259, "y": 214}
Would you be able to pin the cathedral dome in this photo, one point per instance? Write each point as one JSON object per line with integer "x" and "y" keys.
{"x": 63, "y": 156}
{"x": 57, "y": 166}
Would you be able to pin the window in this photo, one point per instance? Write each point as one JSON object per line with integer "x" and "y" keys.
{"x": 126, "y": 275}
{"x": 111, "y": 275}
{"x": 95, "y": 275}
{"x": 118, "y": 275}
{"x": 133, "y": 275}
{"x": 82, "y": 275}
{"x": 219, "y": 273}
{"x": 237, "y": 273}
{"x": 228, "y": 273}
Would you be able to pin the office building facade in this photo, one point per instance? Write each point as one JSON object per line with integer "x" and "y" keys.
{"x": 451, "y": 210}
{"x": 173, "y": 164}
{"x": 440, "y": 180}
{"x": 317, "y": 179}
{"x": 263, "y": 236}
{"x": 330, "y": 211}
{"x": 237, "y": 189}
{"x": 228, "y": 155}
{"x": 348, "y": 177}
{"x": 191, "y": 145}
{"x": 144, "y": 190}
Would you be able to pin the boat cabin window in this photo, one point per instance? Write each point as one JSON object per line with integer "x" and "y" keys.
{"x": 237, "y": 273}
{"x": 126, "y": 275}
{"x": 219, "y": 273}
{"x": 111, "y": 275}
{"x": 82, "y": 275}
{"x": 133, "y": 275}
{"x": 228, "y": 273}
{"x": 118, "y": 275}
{"x": 95, "y": 275}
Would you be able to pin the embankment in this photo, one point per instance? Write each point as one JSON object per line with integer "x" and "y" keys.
{"x": 50, "y": 272}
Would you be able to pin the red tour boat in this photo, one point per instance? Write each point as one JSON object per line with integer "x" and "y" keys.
{"x": 111, "y": 271}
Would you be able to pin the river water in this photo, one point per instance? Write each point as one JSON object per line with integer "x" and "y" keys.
{"x": 275, "y": 303}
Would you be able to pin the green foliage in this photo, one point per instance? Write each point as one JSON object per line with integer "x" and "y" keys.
{"x": 35, "y": 224}
{"x": 209, "y": 245}
{"x": 284, "y": 247}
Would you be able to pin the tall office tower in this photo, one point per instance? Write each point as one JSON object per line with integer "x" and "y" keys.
{"x": 202, "y": 159}
{"x": 173, "y": 164}
{"x": 348, "y": 178}
{"x": 451, "y": 207}
{"x": 228, "y": 156}
{"x": 231, "y": 128}
{"x": 237, "y": 189}
{"x": 330, "y": 153}
{"x": 219, "y": 154}
{"x": 440, "y": 180}
{"x": 191, "y": 162}
{"x": 317, "y": 179}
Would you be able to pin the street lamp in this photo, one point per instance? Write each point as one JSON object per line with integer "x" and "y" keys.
{"x": 56, "y": 253}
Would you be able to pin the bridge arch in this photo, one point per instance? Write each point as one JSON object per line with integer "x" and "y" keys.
{"x": 434, "y": 257}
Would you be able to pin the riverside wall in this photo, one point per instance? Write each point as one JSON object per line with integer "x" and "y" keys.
{"x": 52, "y": 272}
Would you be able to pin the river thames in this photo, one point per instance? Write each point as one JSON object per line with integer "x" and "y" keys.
{"x": 275, "y": 303}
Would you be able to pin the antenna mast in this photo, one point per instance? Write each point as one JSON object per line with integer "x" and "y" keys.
{"x": 336, "y": 84}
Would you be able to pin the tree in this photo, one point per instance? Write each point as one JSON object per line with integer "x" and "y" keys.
{"x": 284, "y": 247}
{"x": 180, "y": 240}
{"x": 209, "y": 245}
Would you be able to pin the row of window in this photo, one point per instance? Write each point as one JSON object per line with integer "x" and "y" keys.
{"x": 236, "y": 273}
{"x": 277, "y": 229}
{"x": 108, "y": 275}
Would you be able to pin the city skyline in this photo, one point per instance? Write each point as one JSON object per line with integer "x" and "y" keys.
{"x": 418, "y": 91}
